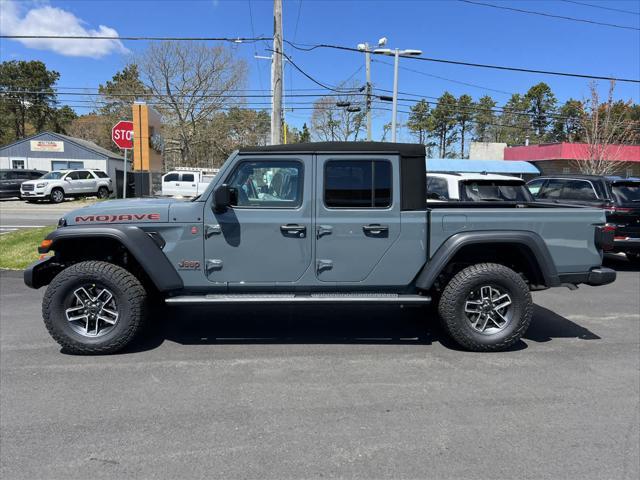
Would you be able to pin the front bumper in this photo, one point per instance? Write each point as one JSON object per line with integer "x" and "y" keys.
{"x": 41, "y": 272}
{"x": 594, "y": 277}
{"x": 33, "y": 194}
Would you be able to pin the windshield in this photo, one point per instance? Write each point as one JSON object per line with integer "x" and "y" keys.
{"x": 53, "y": 175}
{"x": 497, "y": 190}
{"x": 627, "y": 192}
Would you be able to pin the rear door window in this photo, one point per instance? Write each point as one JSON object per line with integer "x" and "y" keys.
{"x": 187, "y": 177}
{"x": 357, "y": 184}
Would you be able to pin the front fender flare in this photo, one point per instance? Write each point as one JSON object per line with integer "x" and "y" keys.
{"x": 139, "y": 244}
{"x": 531, "y": 240}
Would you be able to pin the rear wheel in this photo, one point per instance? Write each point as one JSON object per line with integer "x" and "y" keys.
{"x": 103, "y": 193}
{"x": 486, "y": 307}
{"x": 94, "y": 308}
{"x": 57, "y": 195}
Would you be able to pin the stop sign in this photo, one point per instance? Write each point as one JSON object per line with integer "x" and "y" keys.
{"x": 122, "y": 134}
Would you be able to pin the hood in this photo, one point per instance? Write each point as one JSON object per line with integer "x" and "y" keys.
{"x": 137, "y": 210}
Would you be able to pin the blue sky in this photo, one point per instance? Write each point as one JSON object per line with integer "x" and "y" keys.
{"x": 441, "y": 29}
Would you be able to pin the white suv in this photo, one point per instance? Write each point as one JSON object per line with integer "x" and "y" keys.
{"x": 58, "y": 185}
{"x": 476, "y": 187}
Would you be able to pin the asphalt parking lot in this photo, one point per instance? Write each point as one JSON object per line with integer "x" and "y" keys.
{"x": 284, "y": 392}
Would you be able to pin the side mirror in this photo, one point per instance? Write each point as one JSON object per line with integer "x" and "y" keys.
{"x": 221, "y": 198}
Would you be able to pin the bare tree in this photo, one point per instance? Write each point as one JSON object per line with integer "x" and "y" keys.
{"x": 190, "y": 83}
{"x": 329, "y": 122}
{"x": 606, "y": 130}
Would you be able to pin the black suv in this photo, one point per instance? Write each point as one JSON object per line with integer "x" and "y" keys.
{"x": 619, "y": 197}
{"x": 12, "y": 178}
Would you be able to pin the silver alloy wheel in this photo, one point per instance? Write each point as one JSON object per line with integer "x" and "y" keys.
{"x": 488, "y": 309}
{"x": 57, "y": 196}
{"x": 94, "y": 311}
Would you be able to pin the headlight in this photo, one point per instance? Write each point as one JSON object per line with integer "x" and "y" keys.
{"x": 40, "y": 185}
{"x": 62, "y": 222}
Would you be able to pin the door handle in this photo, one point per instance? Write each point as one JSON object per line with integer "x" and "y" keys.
{"x": 375, "y": 229}
{"x": 292, "y": 229}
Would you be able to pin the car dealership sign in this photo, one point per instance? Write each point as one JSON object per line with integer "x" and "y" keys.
{"x": 46, "y": 146}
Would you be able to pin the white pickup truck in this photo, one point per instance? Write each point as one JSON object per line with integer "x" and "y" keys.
{"x": 187, "y": 182}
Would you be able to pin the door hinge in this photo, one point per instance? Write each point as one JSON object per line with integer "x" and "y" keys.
{"x": 322, "y": 265}
{"x": 210, "y": 230}
{"x": 322, "y": 230}
{"x": 213, "y": 264}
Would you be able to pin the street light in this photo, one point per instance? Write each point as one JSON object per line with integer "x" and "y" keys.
{"x": 396, "y": 53}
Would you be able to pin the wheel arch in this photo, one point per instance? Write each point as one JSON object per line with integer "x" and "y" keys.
{"x": 526, "y": 248}
{"x": 137, "y": 243}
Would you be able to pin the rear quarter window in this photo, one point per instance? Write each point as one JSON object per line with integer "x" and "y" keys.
{"x": 100, "y": 174}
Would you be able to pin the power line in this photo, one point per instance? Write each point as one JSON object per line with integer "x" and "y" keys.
{"x": 295, "y": 30}
{"x": 420, "y": 72}
{"x": 471, "y": 64}
{"x": 175, "y": 95}
{"x": 601, "y": 7}
{"x": 324, "y": 45}
{"x": 317, "y": 82}
{"x": 542, "y": 14}
{"x": 255, "y": 50}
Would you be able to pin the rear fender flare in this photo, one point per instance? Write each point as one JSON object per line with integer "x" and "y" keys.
{"x": 445, "y": 253}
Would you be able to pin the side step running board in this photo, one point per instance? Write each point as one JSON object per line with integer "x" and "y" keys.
{"x": 300, "y": 298}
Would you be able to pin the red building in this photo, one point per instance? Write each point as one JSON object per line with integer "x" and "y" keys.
{"x": 553, "y": 158}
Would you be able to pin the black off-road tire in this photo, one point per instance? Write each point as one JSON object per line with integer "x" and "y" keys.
{"x": 56, "y": 197}
{"x": 130, "y": 296}
{"x": 452, "y": 304}
{"x": 103, "y": 192}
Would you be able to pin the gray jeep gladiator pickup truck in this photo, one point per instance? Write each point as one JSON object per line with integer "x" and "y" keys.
{"x": 318, "y": 223}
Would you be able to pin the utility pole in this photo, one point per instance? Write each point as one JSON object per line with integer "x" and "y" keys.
{"x": 367, "y": 59}
{"x": 276, "y": 75}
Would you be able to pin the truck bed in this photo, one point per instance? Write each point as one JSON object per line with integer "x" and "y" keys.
{"x": 567, "y": 230}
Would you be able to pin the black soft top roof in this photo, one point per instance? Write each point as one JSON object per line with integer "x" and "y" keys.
{"x": 404, "y": 149}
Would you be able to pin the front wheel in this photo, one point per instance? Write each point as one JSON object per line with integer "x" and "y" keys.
{"x": 486, "y": 307}
{"x": 94, "y": 308}
{"x": 57, "y": 195}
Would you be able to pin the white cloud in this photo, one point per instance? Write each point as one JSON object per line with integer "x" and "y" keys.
{"x": 48, "y": 20}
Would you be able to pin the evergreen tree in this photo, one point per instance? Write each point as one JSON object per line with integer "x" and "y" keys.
{"x": 515, "y": 120}
{"x": 463, "y": 117}
{"x": 485, "y": 120}
{"x": 542, "y": 105}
